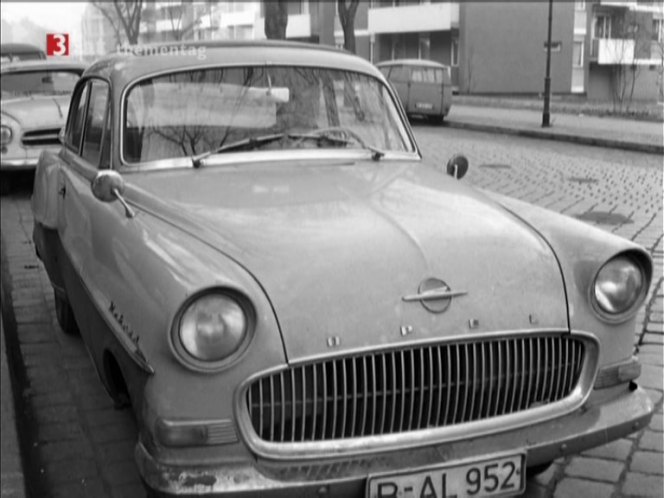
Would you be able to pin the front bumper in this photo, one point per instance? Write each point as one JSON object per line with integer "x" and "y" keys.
{"x": 609, "y": 414}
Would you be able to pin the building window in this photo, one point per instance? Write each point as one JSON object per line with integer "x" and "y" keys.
{"x": 454, "y": 55}
{"x": 424, "y": 46}
{"x": 602, "y": 26}
{"x": 578, "y": 54}
{"x": 657, "y": 33}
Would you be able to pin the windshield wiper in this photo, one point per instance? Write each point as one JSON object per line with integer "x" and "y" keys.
{"x": 248, "y": 143}
{"x": 331, "y": 134}
{"x": 251, "y": 143}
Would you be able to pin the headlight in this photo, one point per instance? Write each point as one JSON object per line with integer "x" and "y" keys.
{"x": 212, "y": 329}
{"x": 619, "y": 286}
{"x": 5, "y": 135}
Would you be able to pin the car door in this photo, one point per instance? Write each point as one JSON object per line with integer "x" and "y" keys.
{"x": 84, "y": 225}
{"x": 400, "y": 79}
{"x": 100, "y": 239}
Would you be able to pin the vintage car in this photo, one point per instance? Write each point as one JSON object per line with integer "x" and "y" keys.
{"x": 295, "y": 303}
{"x": 424, "y": 87}
{"x": 33, "y": 109}
{"x": 12, "y": 52}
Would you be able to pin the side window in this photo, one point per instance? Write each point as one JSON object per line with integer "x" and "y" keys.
{"x": 76, "y": 119}
{"x": 105, "y": 162}
{"x": 399, "y": 73}
{"x": 95, "y": 122}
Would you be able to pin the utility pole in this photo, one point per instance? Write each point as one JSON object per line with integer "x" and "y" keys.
{"x": 546, "y": 116}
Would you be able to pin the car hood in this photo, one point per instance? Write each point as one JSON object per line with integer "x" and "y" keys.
{"x": 338, "y": 246}
{"x": 37, "y": 111}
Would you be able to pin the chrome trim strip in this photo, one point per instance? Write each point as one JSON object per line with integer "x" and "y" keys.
{"x": 432, "y": 295}
{"x": 313, "y": 450}
{"x": 424, "y": 342}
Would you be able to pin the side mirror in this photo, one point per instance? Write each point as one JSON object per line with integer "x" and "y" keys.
{"x": 109, "y": 186}
{"x": 61, "y": 136}
{"x": 457, "y": 166}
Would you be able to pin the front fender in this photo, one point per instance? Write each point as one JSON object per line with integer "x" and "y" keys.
{"x": 581, "y": 250}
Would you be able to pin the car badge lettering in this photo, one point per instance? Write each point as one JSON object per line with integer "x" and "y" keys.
{"x": 333, "y": 342}
{"x": 434, "y": 294}
{"x": 129, "y": 332}
{"x": 406, "y": 330}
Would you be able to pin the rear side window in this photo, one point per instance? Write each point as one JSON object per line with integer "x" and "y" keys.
{"x": 77, "y": 118}
{"x": 95, "y": 122}
{"x": 399, "y": 73}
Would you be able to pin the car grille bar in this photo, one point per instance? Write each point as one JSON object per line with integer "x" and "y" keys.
{"x": 40, "y": 138}
{"x": 422, "y": 387}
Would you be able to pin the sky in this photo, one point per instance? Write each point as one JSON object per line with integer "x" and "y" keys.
{"x": 57, "y": 17}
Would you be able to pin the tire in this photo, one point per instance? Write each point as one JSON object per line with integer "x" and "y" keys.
{"x": 5, "y": 184}
{"x": 64, "y": 314}
{"x": 536, "y": 470}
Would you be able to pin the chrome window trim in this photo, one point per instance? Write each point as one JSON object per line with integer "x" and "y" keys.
{"x": 237, "y": 158}
{"x": 145, "y": 166}
{"x": 426, "y": 437}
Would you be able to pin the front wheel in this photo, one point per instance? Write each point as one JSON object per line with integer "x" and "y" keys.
{"x": 64, "y": 314}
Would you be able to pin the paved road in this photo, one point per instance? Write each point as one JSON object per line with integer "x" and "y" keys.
{"x": 81, "y": 447}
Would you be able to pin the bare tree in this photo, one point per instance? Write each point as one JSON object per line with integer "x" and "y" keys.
{"x": 626, "y": 71}
{"x": 347, "y": 10}
{"x": 276, "y": 19}
{"x": 124, "y": 17}
{"x": 183, "y": 19}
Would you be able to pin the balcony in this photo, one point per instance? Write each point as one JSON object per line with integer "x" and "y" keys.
{"x": 414, "y": 18}
{"x": 625, "y": 4}
{"x": 612, "y": 51}
{"x": 299, "y": 26}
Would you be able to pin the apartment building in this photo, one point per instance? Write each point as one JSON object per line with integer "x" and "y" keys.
{"x": 625, "y": 49}
{"x": 97, "y": 34}
{"x": 599, "y": 48}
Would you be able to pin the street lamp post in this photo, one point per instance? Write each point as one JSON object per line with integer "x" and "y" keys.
{"x": 546, "y": 116}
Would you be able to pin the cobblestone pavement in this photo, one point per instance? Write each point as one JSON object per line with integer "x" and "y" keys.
{"x": 80, "y": 446}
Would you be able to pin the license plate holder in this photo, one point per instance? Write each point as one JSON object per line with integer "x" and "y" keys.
{"x": 495, "y": 475}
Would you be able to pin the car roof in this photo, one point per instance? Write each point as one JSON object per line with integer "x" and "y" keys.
{"x": 411, "y": 62}
{"x": 135, "y": 62}
{"x": 41, "y": 65}
{"x": 18, "y": 48}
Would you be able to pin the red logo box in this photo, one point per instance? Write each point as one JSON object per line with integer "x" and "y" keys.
{"x": 57, "y": 44}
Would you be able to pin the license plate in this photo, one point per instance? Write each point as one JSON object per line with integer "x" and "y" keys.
{"x": 424, "y": 105}
{"x": 493, "y": 476}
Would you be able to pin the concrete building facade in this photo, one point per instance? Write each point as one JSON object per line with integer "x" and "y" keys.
{"x": 601, "y": 49}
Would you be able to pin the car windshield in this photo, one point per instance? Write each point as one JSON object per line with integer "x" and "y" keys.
{"x": 259, "y": 108}
{"x": 38, "y": 82}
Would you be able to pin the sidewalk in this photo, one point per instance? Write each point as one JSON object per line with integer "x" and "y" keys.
{"x": 11, "y": 478}
{"x": 628, "y": 134}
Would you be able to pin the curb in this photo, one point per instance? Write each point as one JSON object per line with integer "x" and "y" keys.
{"x": 12, "y": 476}
{"x": 562, "y": 137}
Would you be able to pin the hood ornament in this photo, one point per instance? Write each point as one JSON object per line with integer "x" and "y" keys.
{"x": 434, "y": 294}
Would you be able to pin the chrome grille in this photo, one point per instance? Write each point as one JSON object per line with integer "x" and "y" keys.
{"x": 390, "y": 392}
{"x": 40, "y": 138}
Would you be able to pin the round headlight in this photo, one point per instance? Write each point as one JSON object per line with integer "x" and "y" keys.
{"x": 619, "y": 285}
{"x": 213, "y": 327}
{"x": 5, "y": 135}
